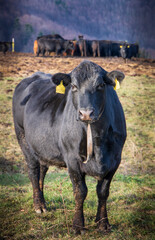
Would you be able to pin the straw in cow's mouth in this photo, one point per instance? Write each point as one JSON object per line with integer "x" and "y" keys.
{"x": 89, "y": 143}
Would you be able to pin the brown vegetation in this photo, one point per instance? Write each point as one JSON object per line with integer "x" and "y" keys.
{"x": 22, "y": 65}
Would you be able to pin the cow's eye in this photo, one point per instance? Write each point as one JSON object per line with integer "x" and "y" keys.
{"x": 101, "y": 86}
{"x": 74, "y": 88}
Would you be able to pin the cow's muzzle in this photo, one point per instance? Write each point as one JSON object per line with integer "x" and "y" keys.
{"x": 86, "y": 115}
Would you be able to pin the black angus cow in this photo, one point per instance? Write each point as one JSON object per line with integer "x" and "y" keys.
{"x": 50, "y": 36}
{"x": 83, "y": 129}
{"x": 115, "y": 48}
{"x": 102, "y": 48}
{"x": 53, "y": 45}
{"x": 105, "y": 48}
{"x": 92, "y": 48}
{"x": 5, "y": 46}
{"x": 129, "y": 50}
{"x": 95, "y": 45}
{"x": 123, "y": 51}
{"x": 132, "y": 50}
{"x": 87, "y": 47}
{"x": 82, "y": 47}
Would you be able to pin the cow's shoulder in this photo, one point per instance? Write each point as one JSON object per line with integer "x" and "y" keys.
{"x": 40, "y": 94}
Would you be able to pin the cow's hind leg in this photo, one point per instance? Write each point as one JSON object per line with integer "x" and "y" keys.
{"x": 80, "y": 193}
{"x": 43, "y": 170}
{"x": 36, "y": 174}
{"x": 35, "y": 170}
{"x": 103, "y": 193}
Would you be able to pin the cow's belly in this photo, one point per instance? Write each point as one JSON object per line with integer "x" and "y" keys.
{"x": 43, "y": 143}
{"x": 48, "y": 153}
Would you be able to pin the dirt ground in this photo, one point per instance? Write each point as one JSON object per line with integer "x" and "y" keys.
{"x": 24, "y": 64}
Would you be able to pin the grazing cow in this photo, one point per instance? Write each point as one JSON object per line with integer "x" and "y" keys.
{"x": 81, "y": 127}
{"x": 5, "y": 46}
{"x": 53, "y": 45}
{"x": 52, "y": 36}
{"x": 75, "y": 51}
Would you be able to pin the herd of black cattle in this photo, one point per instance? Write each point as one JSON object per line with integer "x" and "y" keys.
{"x": 85, "y": 48}
{"x": 101, "y": 48}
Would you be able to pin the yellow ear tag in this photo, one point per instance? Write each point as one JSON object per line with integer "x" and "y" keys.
{"x": 117, "y": 85}
{"x": 60, "y": 88}
{"x": 121, "y": 46}
{"x": 128, "y": 46}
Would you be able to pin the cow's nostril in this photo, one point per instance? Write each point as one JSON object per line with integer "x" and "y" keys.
{"x": 86, "y": 115}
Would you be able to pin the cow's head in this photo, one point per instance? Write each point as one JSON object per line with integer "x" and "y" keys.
{"x": 88, "y": 82}
{"x": 69, "y": 45}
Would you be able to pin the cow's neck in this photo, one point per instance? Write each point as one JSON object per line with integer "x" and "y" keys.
{"x": 96, "y": 134}
{"x": 93, "y": 165}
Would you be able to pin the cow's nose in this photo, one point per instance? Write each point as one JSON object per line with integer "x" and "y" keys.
{"x": 86, "y": 114}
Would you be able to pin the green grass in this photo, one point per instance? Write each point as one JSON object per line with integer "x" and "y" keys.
{"x": 137, "y": 96}
{"x": 130, "y": 208}
{"x": 131, "y": 201}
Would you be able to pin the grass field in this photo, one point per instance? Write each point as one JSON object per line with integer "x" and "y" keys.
{"x": 131, "y": 205}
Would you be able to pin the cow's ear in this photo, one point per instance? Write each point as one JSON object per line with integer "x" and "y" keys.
{"x": 112, "y": 76}
{"x": 58, "y": 77}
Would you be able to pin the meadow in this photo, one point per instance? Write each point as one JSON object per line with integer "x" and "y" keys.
{"x": 131, "y": 205}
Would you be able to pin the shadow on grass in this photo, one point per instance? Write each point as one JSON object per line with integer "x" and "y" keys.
{"x": 134, "y": 217}
{"x": 140, "y": 219}
{"x": 9, "y": 166}
{"x": 15, "y": 179}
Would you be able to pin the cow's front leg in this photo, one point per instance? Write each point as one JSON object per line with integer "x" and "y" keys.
{"x": 80, "y": 193}
{"x": 103, "y": 193}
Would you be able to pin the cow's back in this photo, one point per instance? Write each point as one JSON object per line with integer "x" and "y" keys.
{"x": 37, "y": 109}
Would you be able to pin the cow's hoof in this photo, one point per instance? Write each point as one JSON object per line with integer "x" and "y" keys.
{"x": 106, "y": 228}
{"x": 83, "y": 231}
{"x": 38, "y": 211}
{"x": 44, "y": 210}
{"x": 78, "y": 231}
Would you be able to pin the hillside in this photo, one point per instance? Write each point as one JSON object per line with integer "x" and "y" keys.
{"x": 130, "y": 20}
